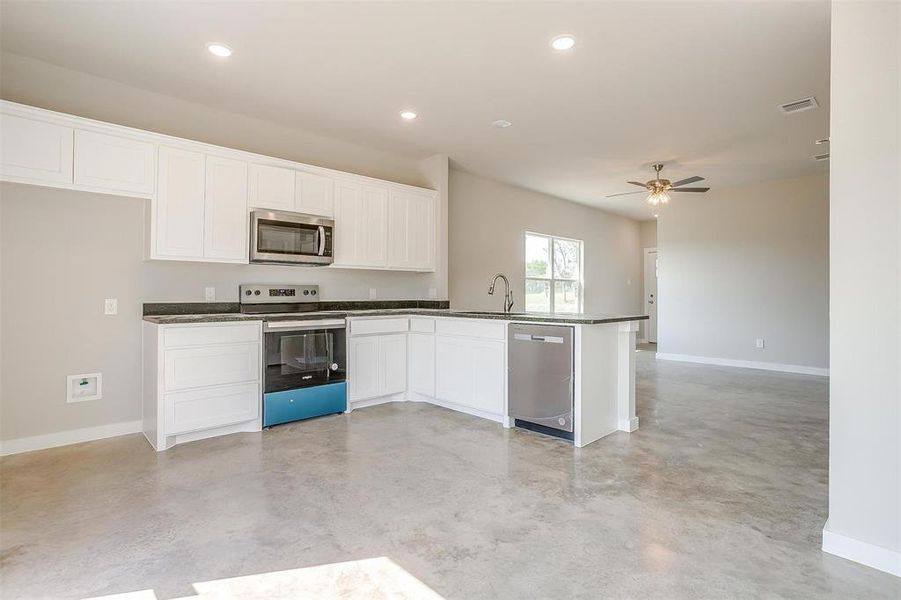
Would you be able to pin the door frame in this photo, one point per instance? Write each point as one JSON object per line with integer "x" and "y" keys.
{"x": 643, "y": 337}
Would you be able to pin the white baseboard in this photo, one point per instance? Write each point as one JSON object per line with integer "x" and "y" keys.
{"x": 642, "y": 340}
{"x": 64, "y": 438}
{"x": 876, "y": 557}
{"x": 745, "y": 364}
{"x": 629, "y": 425}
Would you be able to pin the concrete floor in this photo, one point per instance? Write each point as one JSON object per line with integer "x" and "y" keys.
{"x": 720, "y": 494}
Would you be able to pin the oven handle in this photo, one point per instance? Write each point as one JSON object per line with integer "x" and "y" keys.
{"x": 304, "y": 325}
{"x": 321, "y": 240}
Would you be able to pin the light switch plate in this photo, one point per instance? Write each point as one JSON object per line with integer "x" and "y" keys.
{"x": 209, "y": 294}
{"x": 433, "y": 293}
{"x": 110, "y": 306}
{"x": 760, "y": 342}
{"x": 372, "y": 294}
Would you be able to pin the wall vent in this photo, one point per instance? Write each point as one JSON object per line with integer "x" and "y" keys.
{"x": 790, "y": 108}
{"x": 821, "y": 156}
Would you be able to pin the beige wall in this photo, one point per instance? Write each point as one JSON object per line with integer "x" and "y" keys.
{"x": 488, "y": 221}
{"x": 737, "y": 264}
{"x": 865, "y": 294}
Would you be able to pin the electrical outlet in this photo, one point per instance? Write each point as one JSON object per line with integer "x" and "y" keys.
{"x": 110, "y": 306}
{"x": 209, "y": 293}
{"x": 372, "y": 294}
{"x": 760, "y": 342}
{"x": 433, "y": 293}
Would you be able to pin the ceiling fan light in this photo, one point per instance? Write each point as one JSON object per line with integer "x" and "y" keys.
{"x": 657, "y": 198}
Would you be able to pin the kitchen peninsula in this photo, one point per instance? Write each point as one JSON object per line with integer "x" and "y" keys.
{"x": 401, "y": 351}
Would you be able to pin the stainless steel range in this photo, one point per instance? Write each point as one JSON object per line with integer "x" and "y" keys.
{"x": 304, "y": 369}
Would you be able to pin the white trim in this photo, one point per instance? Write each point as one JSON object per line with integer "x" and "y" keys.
{"x": 745, "y": 364}
{"x": 628, "y": 425}
{"x": 870, "y": 555}
{"x": 64, "y": 438}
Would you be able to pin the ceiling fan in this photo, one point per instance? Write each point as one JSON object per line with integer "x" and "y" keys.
{"x": 658, "y": 188}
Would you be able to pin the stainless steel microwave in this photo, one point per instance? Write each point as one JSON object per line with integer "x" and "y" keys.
{"x": 283, "y": 237}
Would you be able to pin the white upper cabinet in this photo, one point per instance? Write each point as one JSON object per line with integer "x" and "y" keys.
{"x": 178, "y": 212}
{"x": 35, "y": 151}
{"x": 271, "y": 187}
{"x": 314, "y": 194}
{"x": 114, "y": 164}
{"x": 225, "y": 215}
{"x": 411, "y": 231}
{"x": 361, "y": 225}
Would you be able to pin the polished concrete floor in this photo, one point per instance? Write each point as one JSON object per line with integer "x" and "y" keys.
{"x": 720, "y": 494}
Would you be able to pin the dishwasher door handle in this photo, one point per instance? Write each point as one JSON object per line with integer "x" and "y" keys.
{"x": 547, "y": 339}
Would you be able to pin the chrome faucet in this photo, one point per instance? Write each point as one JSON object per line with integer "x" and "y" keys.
{"x": 508, "y": 294}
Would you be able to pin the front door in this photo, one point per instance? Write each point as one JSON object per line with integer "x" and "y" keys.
{"x": 650, "y": 293}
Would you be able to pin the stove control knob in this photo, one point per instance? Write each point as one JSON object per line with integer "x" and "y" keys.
{"x": 256, "y": 292}
{"x": 247, "y": 292}
{"x": 306, "y": 292}
{"x": 313, "y": 292}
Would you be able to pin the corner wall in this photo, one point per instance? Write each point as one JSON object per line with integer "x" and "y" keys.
{"x": 742, "y": 263}
{"x": 865, "y": 292}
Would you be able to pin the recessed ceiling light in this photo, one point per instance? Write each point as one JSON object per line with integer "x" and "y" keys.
{"x": 502, "y": 124}
{"x": 409, "y": 115}
{"x": 563, "y": 42}
{"x": 219, "y": 49}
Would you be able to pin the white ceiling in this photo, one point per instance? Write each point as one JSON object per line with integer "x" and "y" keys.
{"x": 693, "y": 84}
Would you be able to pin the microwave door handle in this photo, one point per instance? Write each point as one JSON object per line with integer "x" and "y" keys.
{"x": 321, "y": 240}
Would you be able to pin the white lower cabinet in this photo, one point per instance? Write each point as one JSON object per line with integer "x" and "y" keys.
{"x": 200, "y": 380}
{"x": 471, "y": 373}
{"x": 378, "y": 365}
{"x": 456, "y": 363}
{"x": 422, "y": 364}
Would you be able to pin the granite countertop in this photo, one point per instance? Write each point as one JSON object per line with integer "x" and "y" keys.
{"x": 573, "y": 319}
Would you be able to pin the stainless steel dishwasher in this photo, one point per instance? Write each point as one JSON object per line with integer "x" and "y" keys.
{"x": 540, "y": 378}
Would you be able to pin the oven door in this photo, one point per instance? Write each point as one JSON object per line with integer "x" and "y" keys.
{"x": 286, "y": 237}
{"x": 300, "y": 354}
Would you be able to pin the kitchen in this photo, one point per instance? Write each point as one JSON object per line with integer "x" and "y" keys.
{"x": 352, "y": 303}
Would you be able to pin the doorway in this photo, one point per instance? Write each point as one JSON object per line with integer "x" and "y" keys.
{"x": 650, "y": 295}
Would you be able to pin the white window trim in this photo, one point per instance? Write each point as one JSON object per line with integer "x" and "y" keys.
{"x": 580, "y": 280}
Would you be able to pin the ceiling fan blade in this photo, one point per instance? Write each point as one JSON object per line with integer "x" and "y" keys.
{"x": 624, "y": 194}
{"x": 644, "y": 185}
{"x": 688, "y": 180}
{"x": 694, "y": 189}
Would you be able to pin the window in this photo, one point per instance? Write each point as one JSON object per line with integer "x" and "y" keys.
{"x": 553, "y": 274}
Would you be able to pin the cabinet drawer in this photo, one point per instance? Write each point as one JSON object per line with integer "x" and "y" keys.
{"x": 422, "y": 325}
{"x": 211, "y": 407}
{"x": 187, "y": 368}
{"x": 196, "y": 335}
{"x": 370, "y": 326}
{"x": 474, "y": 328}
{"x": 294, "y": 405}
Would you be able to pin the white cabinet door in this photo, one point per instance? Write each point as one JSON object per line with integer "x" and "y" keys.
{"x": 348, "y": 206}
{"x": 373, "y": 225}
{"x": 271, "y": 187}
{"x": 363, "y": 361}
{"x": 34, "y": 150}
{"x": 226, "y": 217}
{"x": 314, "y": 194}
{"x": 193, "y": 410}
{"x": 422, "y": 364}
{"x": 178, "y": 208}
{"x": 489, "y": 376}
{"x": 393, "y": 363}
{"x": 453, "y": 377}
{"x": 411, "y": 231}
{"x": 186, "y": 368}
{"x": 114, "y": 164}
{"x": 471, "y": 373}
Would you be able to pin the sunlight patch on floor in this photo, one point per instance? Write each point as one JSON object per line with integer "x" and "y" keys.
{"x": 368, "y": 578}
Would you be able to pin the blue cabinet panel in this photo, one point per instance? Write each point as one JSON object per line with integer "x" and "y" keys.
{"x": 293, "y": 405}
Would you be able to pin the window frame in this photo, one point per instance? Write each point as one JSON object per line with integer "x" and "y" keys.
{"x": 553, "y": 279}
